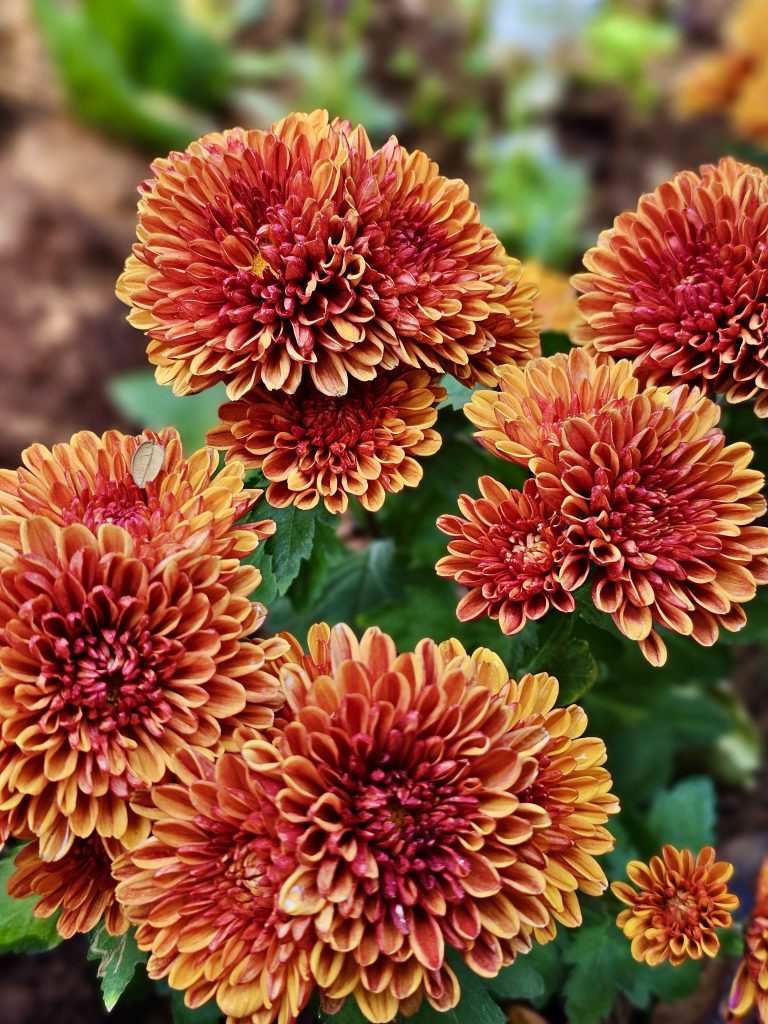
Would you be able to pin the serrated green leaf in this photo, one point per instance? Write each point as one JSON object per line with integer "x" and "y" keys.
{"x": 327, "y": 551}
{"x": 591, "y": 987}
{"x": 457, "y": 394}
{"x": 684, "y": 815}
{"x": 118, "y": 957}
{"x": 290, "y": 544}
{"x": 521, "y": 980}
{"x": 576, "y": 671}
{"x": 20, "y": 930}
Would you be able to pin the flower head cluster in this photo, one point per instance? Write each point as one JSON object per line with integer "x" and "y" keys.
{"x": 679, "y": 286}
{"x": 125, "y": 625}
{"x": 634, "y": 488}
{"x": 407, "y": 803}
{"x": 679, "y": 903}
{"x": 311, "y": 272}
{"x": 749, "y": 991}
{"x": 733, "y": 79}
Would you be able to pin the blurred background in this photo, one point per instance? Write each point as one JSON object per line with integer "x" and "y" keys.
{"x": 559, "y": 113}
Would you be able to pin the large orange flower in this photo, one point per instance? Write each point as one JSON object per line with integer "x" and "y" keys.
{"x": 108, "y": 666}
{"x": 312, "y": 447}
{"x": 184, "y": 509}
{"x": 428, "y": 801}
{"x": 680, "y": 902}
{"x": 80, "y": 885}
{"x": 749, "y": 991}
{"x": 507, "y": 554}
{"x": 271, "y": 256}
{"x": 202, "y": 890}
{"x": 642, "y": 491}
{"x": 679, "y": 285}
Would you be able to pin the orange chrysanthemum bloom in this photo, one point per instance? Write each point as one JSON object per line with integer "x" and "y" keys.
{"x": 80, "y": 885}
{"x": 202, "y": 890}
{"x": 108, "y": 666}
{"x": 642, "y": 490}
{"x": 680, "y": 902}
{"x": 505, "y": 551}
{"x": 556, "y": 300}
{"x": 749, "y": 991}
{"x": 184, "y": 509}
{"x": 272, "y": 256}
{"x": 679, "y": 285}
{"x": 314, "y": 448}
{"x": 428, "y": 802}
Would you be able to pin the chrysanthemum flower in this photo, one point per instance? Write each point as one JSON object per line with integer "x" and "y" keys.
{"x": 300, "y": 252}
{"x": 108, "y": 667}
{"x": 314, "y": 448}
{"x": 679, "y": 285}
{"x": 643, "y": 492}
{"x": 428, "y": 802}
{"x": 507, "y": 554}
{"x": 680, "y": 901}
{"x": 749, "y": 992}
{"x": 202, "y": 890}
{"x": 80, "y": 885}
{"x": 184, "y": 509}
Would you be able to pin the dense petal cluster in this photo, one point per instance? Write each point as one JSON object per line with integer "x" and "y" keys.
{"x": 680, "y": 902}
{"x": 314, "y": 448}
{"x": 301, "y": 253}
{"x": 749, "y": 991}
{"x": 109, "y": 665}
{"x": 634, "y": 488}
{"x": 203, "y": 891}
{"x": 79, "y": 885}
{"x": 89, "y": 481}
{"x": 428, "y": 801}
{"x": 507, "y": 554}
{"x": 679, "y": 286}
{"x": 733, "y": 79}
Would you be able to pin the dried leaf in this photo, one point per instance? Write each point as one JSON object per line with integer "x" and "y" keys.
{"x": 147, "y": 462}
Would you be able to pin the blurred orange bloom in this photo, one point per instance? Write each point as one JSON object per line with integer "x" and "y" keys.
{"x": 428, "y": 801}
{"x": 749, "y": 992}
{"x": 556, "y": 300}
{"x": 109, "y": 665}
{"x": 314, "y": 448}
{"x": 273, "y": 257}
{"x": 680, "y": 901}
{"x": 679, "y": 285}
{"x": 202, "y": 890}
{"x": 640, "y": 489}
{"x": 79, "y": 884}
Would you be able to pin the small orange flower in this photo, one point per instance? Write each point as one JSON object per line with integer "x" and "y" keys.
{"x": 556, "y": 300}
{"x": 272, "y": 257}
{"x": 680, "y": 902}
{"x": 184, "y": 509}
{"x": 109, "y": 665}
{"x": 312, "y": 447}
{"x": 507, "y": 554}
{"x": 678, "y": 285}
{"x": 202, "y": 890}
{"x": 749, "y": 991}
{"x": 427, "y": 801}
{"x": 640, "y": 490}
{"x": 80, "y": 885}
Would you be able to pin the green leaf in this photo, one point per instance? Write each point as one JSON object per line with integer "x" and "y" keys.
{"x": 576, "y": 671}
{"x": 591, "y": 987}
{"x": 327, "y": 550}
{"x": 20, "y": 930}
{"x": 148, "y": 404}
{"x": 118, "y": 956}
{"x": 521, "y": 980}
{"x": 684, "y": 815}
{"x": 457, "y": 394}
{"x": 291, "y": 543}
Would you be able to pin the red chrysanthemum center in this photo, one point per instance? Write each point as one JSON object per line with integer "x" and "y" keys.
{"x": 342, "y": 428}
{"x": 111, "y": 501}
{"x": 519, "y": 557}
{"x": 243, "y": 890}
{"x": 683, "y": 908}
{"x": 703, "y": 295}
{"x": 107, "y": 668}
{"x": 404, "y": 816}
